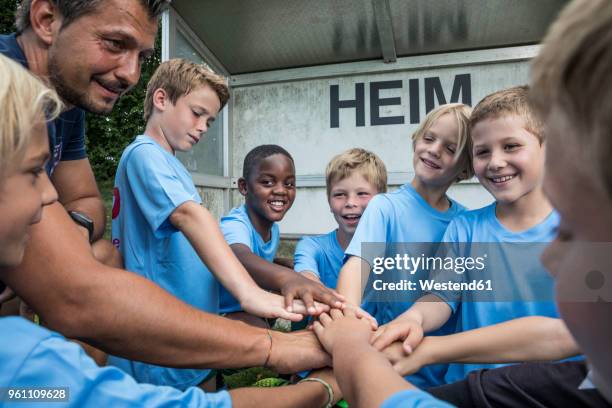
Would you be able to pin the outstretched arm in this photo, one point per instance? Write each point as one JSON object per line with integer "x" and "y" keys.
{"x": 129, "y": 316}
{"x": 533, "y": 338}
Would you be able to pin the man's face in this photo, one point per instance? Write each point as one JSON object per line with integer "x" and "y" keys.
{"x": 23, "y": 193}
{"x": 97, "y": 57}
{"x": 580, "y": 258}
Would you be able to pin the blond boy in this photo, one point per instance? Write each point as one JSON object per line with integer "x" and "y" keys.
{"x": 352, "y": 178}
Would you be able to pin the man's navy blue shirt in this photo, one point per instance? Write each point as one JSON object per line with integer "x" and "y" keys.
{"x": 67, "y": 132}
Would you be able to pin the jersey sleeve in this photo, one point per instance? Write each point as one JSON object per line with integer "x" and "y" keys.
{"x": 236, "y": 231}
{"x": 414, "y": 399}
{"x": 157, "y": 187}
{"x": 74, "y": 135}
{"x": 305, "y": 257}
{"x": 372, "y": 228}
{"x": 55, "y": 362}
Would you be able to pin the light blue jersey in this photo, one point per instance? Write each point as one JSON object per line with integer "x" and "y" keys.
{"x": 482, "y": 226}
{"x": 150, "y": 184}
{"x": 321, "y": 255}
{"x": 32, "y": 356}
{"x": 238, "y": 229}
{"x": 413, "y": 399}
{"x": 403, "y": 216}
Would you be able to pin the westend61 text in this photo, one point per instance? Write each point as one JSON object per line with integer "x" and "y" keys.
{"x": 432, "y": 285}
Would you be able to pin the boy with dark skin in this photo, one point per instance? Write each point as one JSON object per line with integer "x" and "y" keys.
{"x": 268, "y": 185}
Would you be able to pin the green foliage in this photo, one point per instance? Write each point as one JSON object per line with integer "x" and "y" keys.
{"x": 7, "y": 15}
{"x": 107, "y": 136}
{"x": 246, "y": 377}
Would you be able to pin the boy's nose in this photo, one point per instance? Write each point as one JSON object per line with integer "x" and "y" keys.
{"x": 497, "y": 161}
{"x": 351, "y": 201}
{"x": 48, "y": 192}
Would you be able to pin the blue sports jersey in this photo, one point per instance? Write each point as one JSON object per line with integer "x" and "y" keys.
{"x": 67, "y": 132}
{"x": 32, "y": 356}
{"x": 149, "y": 185}
{"x": 397, "y": 217}
{"x": 414, "y": 399}
{"x": 482, "y": 225}
{"x": 238, "y": 229}
{"x": 321, "y": 255}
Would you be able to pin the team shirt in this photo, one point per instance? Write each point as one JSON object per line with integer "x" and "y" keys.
{"x": 525, "y": 276}
{"x": 321, "y": 255}
{"x": 150, "y": 184}
{"x": 413, "y": 399}
{"x": 238, "y": 229}
{"x": 403, "y": 216}
{"x": 32, "y": 356}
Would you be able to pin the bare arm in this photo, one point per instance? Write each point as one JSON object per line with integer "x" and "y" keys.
{"x": 350, "y": 283}
{"x": 129, "y": 316}
{"x": 205, "y": 236}
{"x": 77, "y": 190}
{"x": 279, "y": 278}
{"x": 533, "y": 338}
{"x": 366, "y": 381}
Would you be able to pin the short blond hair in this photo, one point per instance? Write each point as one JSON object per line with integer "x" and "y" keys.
{"x": 461, "y": 113}
{"x": 573, "y": 73}
{"x": 366, "y": 163}
{"x": 178, "y": 77}
{"x": 511, "y": 101}
{"x": 24, "y": 102}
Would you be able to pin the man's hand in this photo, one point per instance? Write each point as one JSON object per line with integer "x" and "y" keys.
{"x": 297, "y": 286}
{"x": 296, "y": 351}
{"x": 408, "y": 331}
{"x": 270, "y": 305}
{"x": 342, "y": 328}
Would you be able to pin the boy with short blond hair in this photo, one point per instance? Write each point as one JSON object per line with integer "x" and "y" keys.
{"x": 508, "y": 157}
{"x": 352, "y": 179}
{"x": 159, "y": 224}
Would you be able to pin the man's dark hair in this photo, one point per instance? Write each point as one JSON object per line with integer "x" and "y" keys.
{"x": 73, "y": 9}
{"x": 259, "y": 153}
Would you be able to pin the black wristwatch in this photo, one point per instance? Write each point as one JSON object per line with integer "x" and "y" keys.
{"x": 84, "y": 221}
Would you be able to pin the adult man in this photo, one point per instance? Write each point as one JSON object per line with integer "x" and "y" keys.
{"x": 91, "y": 53}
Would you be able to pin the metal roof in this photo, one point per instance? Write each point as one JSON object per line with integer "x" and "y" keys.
{"x": 260, "y": 35}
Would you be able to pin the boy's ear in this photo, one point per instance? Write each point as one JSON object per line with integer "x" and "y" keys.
{"x": 45, "y": 20}
{"x": 242, "y": 186}
{"x": 160, "y": 99}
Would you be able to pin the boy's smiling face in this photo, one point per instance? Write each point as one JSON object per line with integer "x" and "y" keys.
{"x": 508, "y": 159}
{"x": 348, "y": 199}
{"x": 270, "y": 190}
{"x": 24, "y": 191}
{"x": 434, "y": 158}
{"x": 185, "y": 122}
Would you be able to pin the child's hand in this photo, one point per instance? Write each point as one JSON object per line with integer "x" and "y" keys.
{"x": 270, "y": 305}
{"x": 409, "y": 364}
{"x": 327, "y": 375}
{"x": 308, "y": 291}
{"x": 408, "y": 331}
{"x": 361, "y": 314}
{"x": 341, "y": 328}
